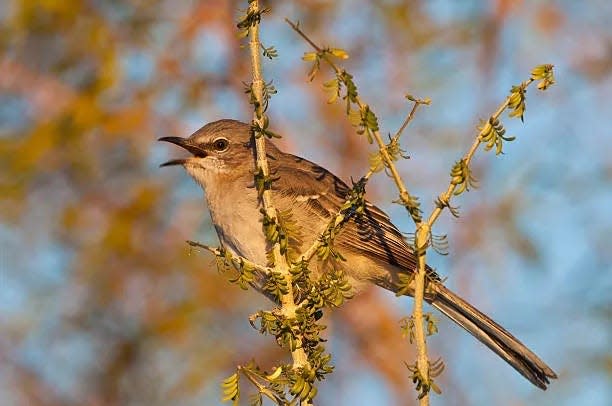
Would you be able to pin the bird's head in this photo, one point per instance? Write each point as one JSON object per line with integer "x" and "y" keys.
{"x": 220, "y": 150}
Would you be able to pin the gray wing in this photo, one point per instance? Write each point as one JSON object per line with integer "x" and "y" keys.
{"x": 323, "y": 193}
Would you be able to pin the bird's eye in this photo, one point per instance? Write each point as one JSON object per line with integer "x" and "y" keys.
{"x": 220, "y": 144}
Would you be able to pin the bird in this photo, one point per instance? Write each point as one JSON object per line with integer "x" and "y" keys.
{"x": 375, "y": 252}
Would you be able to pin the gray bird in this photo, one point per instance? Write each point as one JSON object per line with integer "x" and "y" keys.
{"x": 376, "y": 253}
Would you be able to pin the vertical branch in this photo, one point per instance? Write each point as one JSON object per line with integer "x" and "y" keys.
{"x": 288, "y": 306}
{"x": 422, "y": 363}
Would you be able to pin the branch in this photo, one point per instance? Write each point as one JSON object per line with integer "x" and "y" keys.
{"x": 261, "y": 388}
{"x": 404, "y": 195}
{"x": 491, "y": 133}
{"x": 417, "y": 103}
{"x": 408, "y": 201}
{"x": 334, "y": 224}
{"x": 288, "y": 306}
{"x": 444, "y": 198}
{"x": 459, "y": 183}
{"x": 237, "y": 260}
{"x": 421, "y": 238}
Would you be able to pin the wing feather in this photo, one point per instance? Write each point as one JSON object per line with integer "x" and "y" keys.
{"x": 323, "y": 194}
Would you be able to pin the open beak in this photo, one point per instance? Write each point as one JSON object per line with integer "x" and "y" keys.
{"x": 185, "y": 143}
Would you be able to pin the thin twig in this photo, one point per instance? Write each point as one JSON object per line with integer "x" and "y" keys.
{"x": 417, "y": 103}
{"x": 297, "y": 29}
{"x": 403, "y": 191}
{"x": 336, "y": 222}
{"x": 446, "y": 196}
{"x": 235, "y": 258}
{"x": 214, "y": 250}
{"x": 262, "y": 389}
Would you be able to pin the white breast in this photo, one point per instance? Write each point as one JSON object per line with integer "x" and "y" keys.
{"x": 237, "y": 219}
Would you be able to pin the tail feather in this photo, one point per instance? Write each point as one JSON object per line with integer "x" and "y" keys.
{"x": 493, "y": 336}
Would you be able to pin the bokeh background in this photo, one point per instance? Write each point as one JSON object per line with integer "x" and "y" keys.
{"x": 101, "y": 301}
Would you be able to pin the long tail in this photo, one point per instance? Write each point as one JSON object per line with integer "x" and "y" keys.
{"x": 493, "y": 336}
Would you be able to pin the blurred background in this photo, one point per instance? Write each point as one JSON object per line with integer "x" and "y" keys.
{"x": 102, "y": 302}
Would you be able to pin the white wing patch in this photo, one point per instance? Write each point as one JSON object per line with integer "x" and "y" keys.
{"x": 305, "y": 198}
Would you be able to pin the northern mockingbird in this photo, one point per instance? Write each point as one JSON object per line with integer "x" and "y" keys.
{"x": 376, "y": 253}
